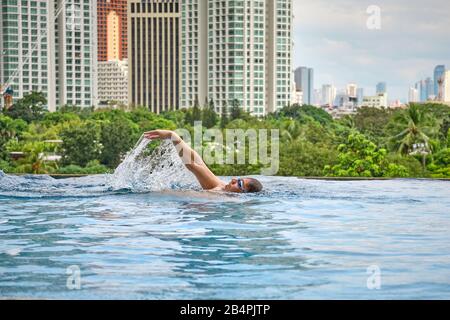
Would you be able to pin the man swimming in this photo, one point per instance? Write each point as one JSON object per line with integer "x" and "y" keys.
{"x": 197, "y": 166}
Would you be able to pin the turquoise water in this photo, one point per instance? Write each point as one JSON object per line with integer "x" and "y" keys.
{"x": 300, "y": 239}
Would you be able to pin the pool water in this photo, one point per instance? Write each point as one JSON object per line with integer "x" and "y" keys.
{"x": 299, "y": 239}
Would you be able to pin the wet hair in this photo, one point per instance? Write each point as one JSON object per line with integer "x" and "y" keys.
{"x": 253, "y": 185}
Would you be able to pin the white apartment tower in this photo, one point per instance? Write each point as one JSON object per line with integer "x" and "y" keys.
{"x": 76, "y": 53}
{"x": 50, "y": 46}
{"x": 113, "y": 81}
{"x": 27, "y": 48}
{"x": 446, "y": 87}
{"x": 237, "y": 50}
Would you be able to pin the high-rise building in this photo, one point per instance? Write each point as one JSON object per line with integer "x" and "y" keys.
{"x": 76, "y": 53}
{"x": 359, "y": 96}
{"x": 413, "y": 95}
{"x": 27, "y": 49}
{"x": 426, "y": 90}
{"x": 304, "y": 81}
{"x": 154, "y": 54}
{"x": 237, "y": 50}
{"x": 352, "y": 90}
{"x": 429, "y": 84}
{"x": 50, "y": 46}
{"x": 381, "y": 87}
{"x": 328, "y": 94}
{"x": 194, "y": 46}
{"x": 446, "y": 87}
{"x": 439, "y": 72}
{"x": 297, "y": 97}
{"x": 317, "y": 97}
{"x": 113, "y": 81}
{"x": 112, "y": 30}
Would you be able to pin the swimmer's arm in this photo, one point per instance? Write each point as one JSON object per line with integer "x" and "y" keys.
{"x": 190, "y": 157}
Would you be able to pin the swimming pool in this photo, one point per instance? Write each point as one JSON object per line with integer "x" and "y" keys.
{"x": 300, "y": 239}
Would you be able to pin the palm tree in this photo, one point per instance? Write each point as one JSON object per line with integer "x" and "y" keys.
{"x": 291, "y": 130}
{"x": 413, "y": 128}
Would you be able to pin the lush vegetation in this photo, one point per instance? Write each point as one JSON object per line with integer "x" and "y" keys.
{"x": 412, "y": 142}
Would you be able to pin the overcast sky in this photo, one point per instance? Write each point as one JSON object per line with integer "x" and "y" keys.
{"x": 332, "y": 37}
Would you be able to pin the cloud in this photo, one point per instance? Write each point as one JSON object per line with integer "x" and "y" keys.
{"x": 333, "y": 38}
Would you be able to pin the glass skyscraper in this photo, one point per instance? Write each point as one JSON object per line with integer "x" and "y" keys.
{"x": 381, "y": 87}
{"x": 304, "y": 81}
{"x": 439, "y": 73}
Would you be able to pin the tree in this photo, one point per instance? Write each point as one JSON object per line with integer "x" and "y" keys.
{"x": 304, "y": 158}
{"x": 235, "y": 111}
{"x": 196, "y": 112}
{"x": 117, "y": 137}
{"x": 29, "y": 108}
{"x": 411, "y": 128}
{"x": 9, "y": 129}
{"x": 290, "y": 130}
{"x": 81, "y": 143}
{"x": 360, "y": 157}
{"x": 440, "y": 167}
{"x": 209, "y": 116}
{"x": 372, "y": 121}
{"x": 224, "y": 116}
{"x": 305, "y": 113}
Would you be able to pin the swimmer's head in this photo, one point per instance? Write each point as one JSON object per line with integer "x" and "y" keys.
{"x": 244, "y": 185}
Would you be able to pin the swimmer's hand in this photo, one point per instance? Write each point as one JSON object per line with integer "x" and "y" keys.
{"x": 162, "y": 135}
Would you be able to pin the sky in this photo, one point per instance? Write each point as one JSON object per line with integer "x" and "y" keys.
{"x": 332, "y": 37}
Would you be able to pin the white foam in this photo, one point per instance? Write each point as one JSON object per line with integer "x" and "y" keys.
{"x": 163, "y": 169}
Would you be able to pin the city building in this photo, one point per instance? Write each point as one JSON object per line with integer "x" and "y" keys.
{"x": 297, "y": 97}
{"x": 418, "y": 87}
{"x": 27, "y": 50}
{"x": 429, "y": 85}
{"x": 113, "y": 82}
{"x": 359, "y": 96}
{"x": 352, "y": 90}
{"x": 426, "y": 90}
{"x": 304, "y": 81}
{"x": 50, "y": 46}
{"x": 381, "y": 87}
{"x": 413, "y": 95}
{"x": 112, "y": 30}
{"x": 76, "y": 53}
{"x": 317, "y": 101}
{"x": 378, "y": 101}
{"x": 154, "y": 54}
{"x": 328, "y": 95}
{"x": 446, "y": 87}
{"x": 439, "y": 72}
{"x": 237, "y": 50}
{"x": 396, "y": 104}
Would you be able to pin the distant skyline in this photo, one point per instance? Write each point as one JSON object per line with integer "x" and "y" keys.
{"x": 332, "y": 37}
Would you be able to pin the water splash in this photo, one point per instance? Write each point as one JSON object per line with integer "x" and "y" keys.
{"x": 141, "y": 171}
{"x": 163, "y": 169}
